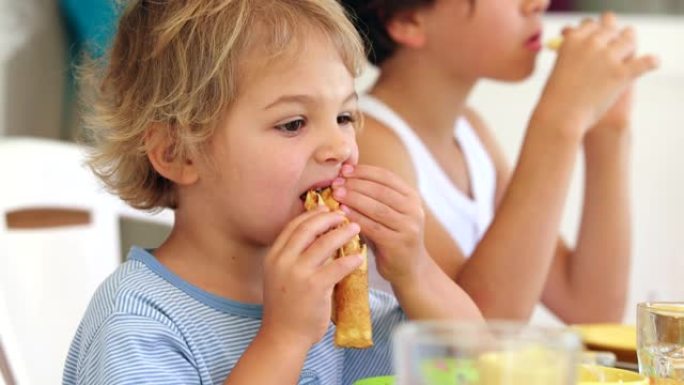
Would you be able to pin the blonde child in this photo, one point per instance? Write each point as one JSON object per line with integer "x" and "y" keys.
{"x": 492, "y": 229}
{"x": 228, "y": 111}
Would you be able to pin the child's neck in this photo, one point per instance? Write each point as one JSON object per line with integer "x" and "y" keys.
{"x": 213, "y": 263}
{"x": 428, "y": 99}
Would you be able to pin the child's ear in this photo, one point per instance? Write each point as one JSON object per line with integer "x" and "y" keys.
{"x": 407, "y": 28}
{"x": 158, "y": 147}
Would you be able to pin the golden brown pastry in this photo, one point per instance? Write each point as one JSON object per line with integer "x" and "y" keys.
{"x": 351, "y": 308}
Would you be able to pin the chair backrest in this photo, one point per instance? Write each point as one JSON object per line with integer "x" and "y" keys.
{"x": 11, "y": 372}
{"x": 59, "y": 238}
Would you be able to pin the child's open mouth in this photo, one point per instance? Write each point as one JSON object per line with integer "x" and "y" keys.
{"x": 302, "y": 196}
{"x": 318, "y": 188}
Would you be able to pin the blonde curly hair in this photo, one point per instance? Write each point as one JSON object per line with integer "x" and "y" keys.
{"x": 173, "y": 64}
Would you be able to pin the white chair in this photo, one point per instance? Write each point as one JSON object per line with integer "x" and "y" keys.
{"x": 11, "y": 372}
{"x": 59, "y": 238}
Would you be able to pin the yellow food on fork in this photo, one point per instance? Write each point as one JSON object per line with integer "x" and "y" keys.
{"x": 351, "y": 307}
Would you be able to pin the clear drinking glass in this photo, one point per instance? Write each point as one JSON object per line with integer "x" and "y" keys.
{"x": 497, "y": 353}
{"x": 660, "y": 341}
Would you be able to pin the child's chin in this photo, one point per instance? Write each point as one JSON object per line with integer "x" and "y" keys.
{"x": 517, "y": 76}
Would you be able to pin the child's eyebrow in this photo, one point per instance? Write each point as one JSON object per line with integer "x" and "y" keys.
{"x": 306, "y": 99}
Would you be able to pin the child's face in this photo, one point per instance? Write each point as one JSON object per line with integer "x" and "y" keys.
{"x": 290, "y": 129}
{"x": 497, "y": 39}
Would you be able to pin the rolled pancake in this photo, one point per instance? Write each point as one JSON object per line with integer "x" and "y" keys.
{"x": 351, "y": 308}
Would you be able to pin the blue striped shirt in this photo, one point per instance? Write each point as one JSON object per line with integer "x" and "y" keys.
{"x": 145, "y": 325}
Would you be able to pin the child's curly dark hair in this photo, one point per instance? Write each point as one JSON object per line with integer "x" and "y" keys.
{"x": 370, "y": 18}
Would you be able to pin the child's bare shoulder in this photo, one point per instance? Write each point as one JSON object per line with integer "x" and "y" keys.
{"x": 380, "y": 146}
{"x": 479, "y": 125}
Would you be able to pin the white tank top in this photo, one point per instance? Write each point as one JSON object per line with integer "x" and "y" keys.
{"x": 465, "y": 219}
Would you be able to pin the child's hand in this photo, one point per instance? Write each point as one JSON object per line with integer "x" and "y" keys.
{"x": 617, "y": 118}
{"x": 597, "y": 62}
{"x": 390, "y": 214}
{"x": 299, "y": 276}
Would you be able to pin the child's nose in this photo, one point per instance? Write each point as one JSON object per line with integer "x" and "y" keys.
{"x": 335, "y": 147}
{"x": 535, "y": 6}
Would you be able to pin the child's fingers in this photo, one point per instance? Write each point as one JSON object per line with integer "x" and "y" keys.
{"x": 372, "y": 208}
{"x": 624, "y": 45}
{"x": 605, "y": 35}
{"x": 609, "y": 19}
{"x": 379, "y": 175}
{"x": 640, "y": 65}
{"x": 339, "y": 268}
{"x": 372, "y": 229}
{"x": 308, "y": 230}
{"x": 377, "y": 191}
{"x": 324, "y": 246}
{"x": 590, "y": 26}
{"x": 586, "y": 28}
{"x": 286, "y": 233}
{"x": 587, "y": 21}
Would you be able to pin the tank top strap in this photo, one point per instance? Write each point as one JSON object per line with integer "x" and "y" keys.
{"x": 481, "y": 171}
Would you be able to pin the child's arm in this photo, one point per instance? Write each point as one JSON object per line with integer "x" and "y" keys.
{"x": 391, "y": 216}
{"x": 298, "y": 283}
{"x": 590, "y": 283}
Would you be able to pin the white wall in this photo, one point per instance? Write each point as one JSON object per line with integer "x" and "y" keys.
{"x": 32, "y": 68}
{"x": 658, "y": 152}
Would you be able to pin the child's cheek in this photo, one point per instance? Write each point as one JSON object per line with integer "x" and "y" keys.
{"x": 354, "y": 157}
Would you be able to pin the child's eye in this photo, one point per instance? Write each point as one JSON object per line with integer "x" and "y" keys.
{"x": 292, "y": 127}
{"x": 346, "y": 118}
